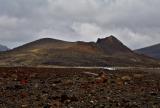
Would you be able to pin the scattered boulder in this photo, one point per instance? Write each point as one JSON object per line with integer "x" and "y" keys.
{"x": 126, "y": 78}
{"x": 24, "y": 106}
{"x": 102, "y": 78}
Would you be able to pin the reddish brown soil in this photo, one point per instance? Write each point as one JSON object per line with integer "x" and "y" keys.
{"x": 78, "y": 88}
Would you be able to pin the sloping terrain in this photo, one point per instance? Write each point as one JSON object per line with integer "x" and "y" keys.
{"x": 105, "y": 52}
{"x": 152, "y": 51}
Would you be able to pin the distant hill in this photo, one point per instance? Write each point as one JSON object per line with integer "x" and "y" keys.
{"x": 107, "y": 51}
{"x": 3, "y": 48}
{"x": 152, "y": 51}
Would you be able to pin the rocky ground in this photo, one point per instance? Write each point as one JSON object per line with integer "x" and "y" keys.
{"x": 78, "y": 88}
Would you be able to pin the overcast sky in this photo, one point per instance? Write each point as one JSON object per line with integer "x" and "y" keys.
{"x": 135, "y": 22}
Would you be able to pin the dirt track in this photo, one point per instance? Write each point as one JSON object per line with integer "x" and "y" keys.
{"x": 78, "y": 88}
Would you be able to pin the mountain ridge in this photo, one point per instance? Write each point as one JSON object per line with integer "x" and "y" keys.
{"x": 107, "y": 51}
{"x": 152, "y": 51}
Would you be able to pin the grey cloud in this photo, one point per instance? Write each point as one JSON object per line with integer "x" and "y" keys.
{"x": 135, "y": 22}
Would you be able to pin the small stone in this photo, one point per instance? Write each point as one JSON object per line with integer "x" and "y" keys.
{"x": 102, "y": 78}
{"x": 36, "y": 85}
{"x": 24, "y": 106}
{"x": 125, "y": 83}
{"x": 92, "y": 102}
{"x": 102, "y": 106}
{"x": 53, "y": 85}
{"x": 153, "y": 94}
{"x": 14, "y": 76}
{"x": 126, "y": 78}
{"x": 44, "y": 96}
{"x": 158, "y": 97}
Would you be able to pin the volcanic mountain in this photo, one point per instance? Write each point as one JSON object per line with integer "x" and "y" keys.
{"x": 107, "y": 51}
{"x": 152, "y": 51}
{"x": 112, "y": 45}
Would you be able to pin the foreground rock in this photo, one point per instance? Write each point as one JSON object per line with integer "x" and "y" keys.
{"x": 78, "y": 88}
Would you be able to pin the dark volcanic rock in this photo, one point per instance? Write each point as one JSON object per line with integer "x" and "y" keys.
{"x": 117, "y": 89}
{"x": 112, "y": 45}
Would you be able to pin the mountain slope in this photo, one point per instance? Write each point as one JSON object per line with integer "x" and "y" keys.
{"x": 105, "y": 52}
{"x": 3, "y": 48}
{"x": 152, "y": 51}
{"x": 112, "y": 45}
{"x": 52, "y": 52}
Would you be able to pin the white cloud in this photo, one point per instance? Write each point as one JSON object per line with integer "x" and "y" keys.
{"x": 135, "y": 22}
{"x": 87, "y": 30}
{"x": 7, "y": 22}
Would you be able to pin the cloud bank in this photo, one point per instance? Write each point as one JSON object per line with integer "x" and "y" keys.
{"x": 134, "y": 22}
